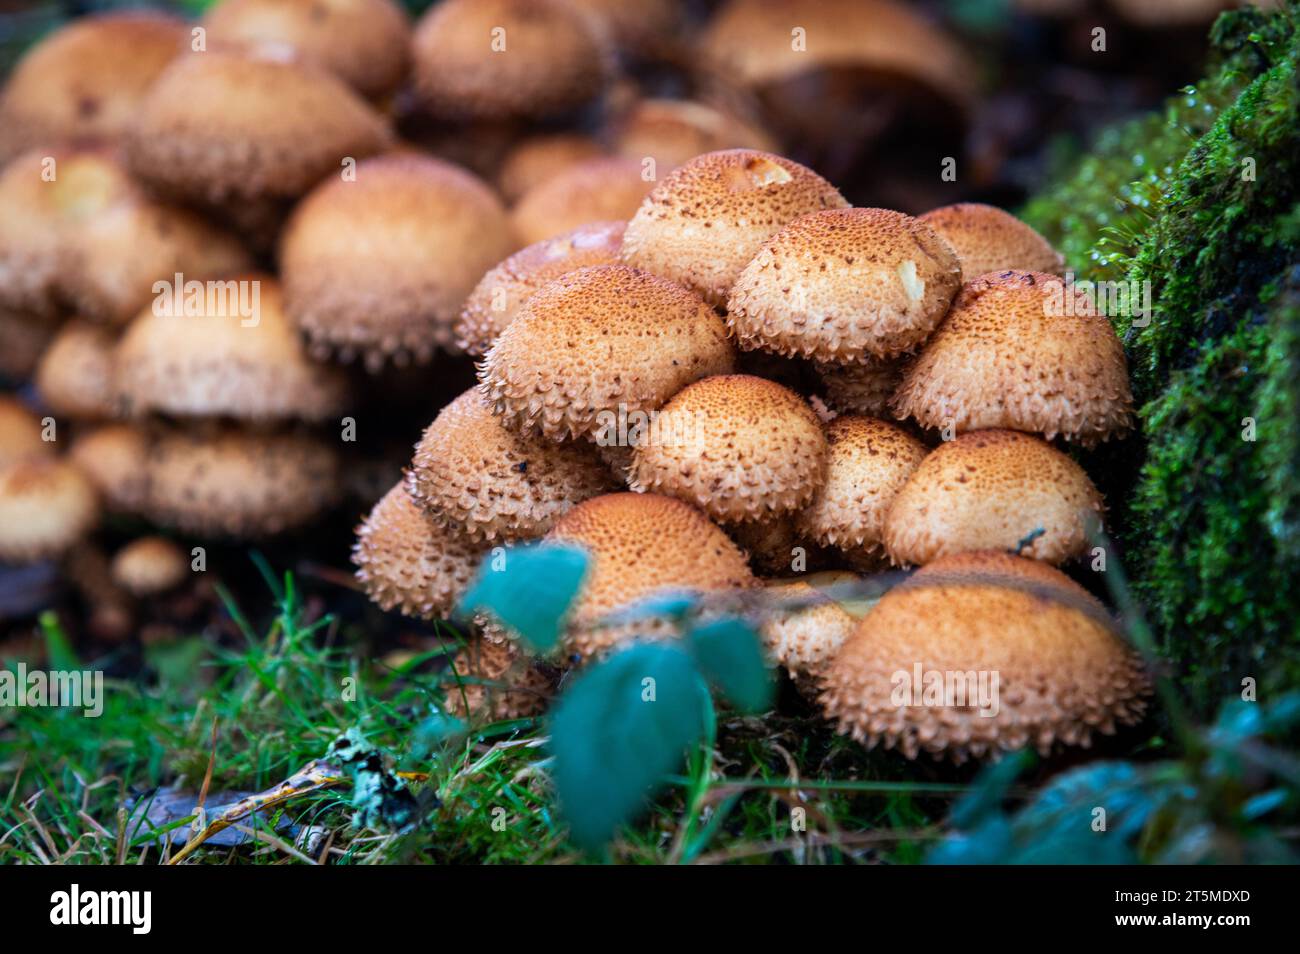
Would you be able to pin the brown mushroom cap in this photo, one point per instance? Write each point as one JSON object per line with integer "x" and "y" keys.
{"x": 739, "y": 447}
{"x": 1062, "y": 671}
{"x": 806, "y": 634}
{"x": 495, "y": 682}
{"x": 538, "y": 158}
{"x": 46, "y": 506}
{"x": 844, "y": 286}
{"x": 504, "y": 289}
{"x": 594, "y": 190}
{"x": 365, "y": 43}
{"x": 149, "y": 566}
{"x": 85, "y": 80}
{"x": 380, "y": 265}
{"x": 861, "y": 388}
{"x": 641, "y": 544}
{"x": 75, "y": 229}
{"x": 410, "y": 562}
{"x": 115, "y": 459}
{"x": 220, "y": 362}
{"x": 598, "y": 343}
{"x": 496, "y": 59}
{"x": 672, "y": 131}
{"x": 869, "y": 462}
{"x": 491, "y": 483}
{"x": 119, "y": 253}
{"x": 704, "y": 222}
{"x": 220, "y": 125}
{"x": 75, "y": 376}
{"x": 242, "y": 484}
{"x": 1021, "y": 350}
{"x": 20, "y": 433}
{"x": 986, "y": 239}
{"x": 990, "y": 490}
{"x": 33, "y": 208}
{"x": 752, "y": 40}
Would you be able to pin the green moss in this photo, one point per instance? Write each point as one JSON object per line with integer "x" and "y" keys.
{"x": 1203, "y": 202}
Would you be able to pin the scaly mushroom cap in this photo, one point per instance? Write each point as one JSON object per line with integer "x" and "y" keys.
{"x": 704, "y": 222}
{"x": 119, "y": 253}
{"x": 240, "y": 484}
{"x": 740, "y": 448}
{"x": 845, "y": 286}
{"x": 409, "y": 562}
{"x": 990, "y": 490}
{"x": 753, "y": 40}
{"x": 115, "y": 459}
{"x": 20, "y": 433}
{"x": 380, "y": 265}
{"x": 869, "y": 462}
{"x": 149, "y": 566}
{"x": 1062, "y": 671}
{"x": 222, "y": 362}
{"x": 672, "y": 131}
{"x": 538, "y": 158}
{"x": 365, "y": 43}
{"x": 42, "y": 197}
{"x": 805, "y": 634}
{"x": 220, "y": 125}
{"x": 594, "y": 190}
{"x": 504, "y": 289}
{"x": 598, "y": 344}
{"x": 86, "y": 80}
{"x": 46, "y": 506}
{"x": 1025, "y": 351}
{"x": 490, "y": 483}
{"x": 494, "y": 682}
{"x": 75, "y": 376}
{"x": 497, "y": 59}
{"x": 861, "y": 388}
{"x": 986, "y": 239}
{"x": 78, "y": 230}
{"x": 641, "y": 544}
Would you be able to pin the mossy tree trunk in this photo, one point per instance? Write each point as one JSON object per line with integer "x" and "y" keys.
{"x": 1203, "y": 203}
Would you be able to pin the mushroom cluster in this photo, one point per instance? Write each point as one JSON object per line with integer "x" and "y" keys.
{"x": 696, "y": 359}
{"x": 636, "y": 399}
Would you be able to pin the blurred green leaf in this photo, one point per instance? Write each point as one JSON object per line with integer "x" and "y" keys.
{"x": 673, "y": 605}
{"x": 179, "y": 663}
{"x": 730, "y": 656}
{"x": 529, "y": 589}
{"x": 58, "y": 647}
{"x": 432, "y": 733}
{"x": 1168, "y": 812}
{"x": 620, "y": 727}
{"x": 1064, "y": 822}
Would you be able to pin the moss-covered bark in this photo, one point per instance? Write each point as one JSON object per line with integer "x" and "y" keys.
{"x": 1203, "y": 202}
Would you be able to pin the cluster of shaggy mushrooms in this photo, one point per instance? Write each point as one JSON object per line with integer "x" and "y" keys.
{"x": 825, "y": 387}
{"x": 953, "y": 357}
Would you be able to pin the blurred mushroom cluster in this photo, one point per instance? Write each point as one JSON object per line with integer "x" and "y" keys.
{"x": 244, "y": 260}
